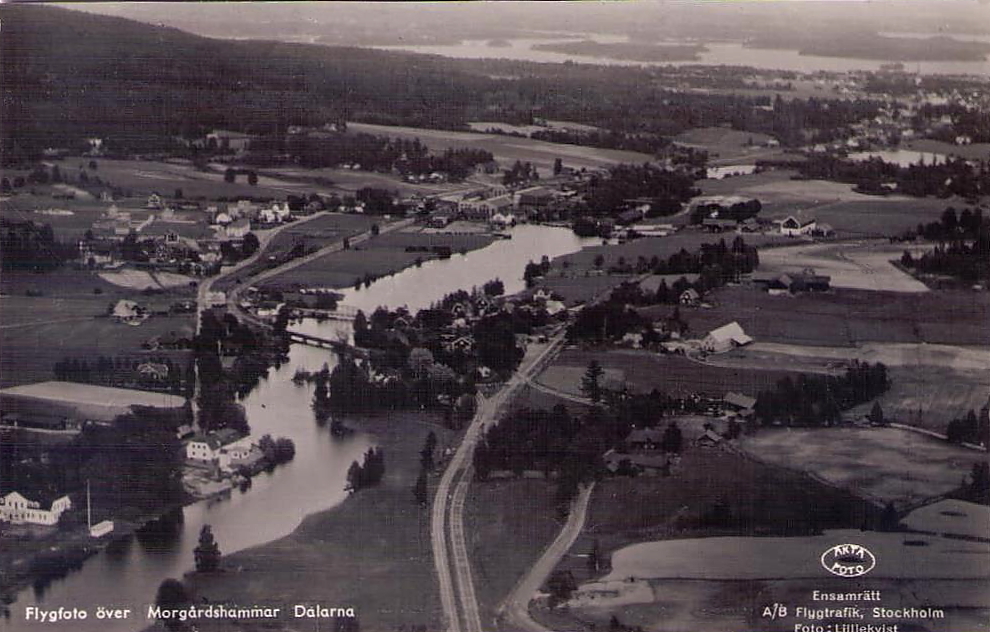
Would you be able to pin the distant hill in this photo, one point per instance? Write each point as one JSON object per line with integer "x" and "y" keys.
{"x": 68, "y": 75}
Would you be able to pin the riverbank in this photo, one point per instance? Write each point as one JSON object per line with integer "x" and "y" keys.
{"x": 370, "y": 553}
{"x": 36, "y": 562}
{"x": 381, "y": 256}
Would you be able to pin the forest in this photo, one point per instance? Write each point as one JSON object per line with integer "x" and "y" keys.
{"x": 148, "y": 90}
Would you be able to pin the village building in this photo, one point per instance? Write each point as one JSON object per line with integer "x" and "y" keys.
{"x": 484, "y": 209}
{"x": 207, "y": 447}
{"x": 710, "y": 439}
{"x": 644, "y": 439}
{"x": 126, "y": 311}
{"x": 237, "y": 229}
{"x": 534, "y": 199}
{"x": 228, "y": 140}
{"x": 689, "y": 297}
{"x": 16, "y": 509}
{"x": 725, "y": 338}
{"x": 794, "y": 227}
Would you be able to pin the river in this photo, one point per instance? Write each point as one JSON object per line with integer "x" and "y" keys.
{"x": 127, "y": 573}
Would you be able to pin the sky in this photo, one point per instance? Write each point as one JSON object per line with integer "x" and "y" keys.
{"x": 342, "y": 20}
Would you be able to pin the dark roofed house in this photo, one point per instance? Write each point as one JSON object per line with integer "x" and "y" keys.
{"x": 629, "y": 217}
{"x": 716, "y": 225}
{"x": 644, "y": 439}
{"x": 710, "y": 439}
{"x": 738, "y": 401}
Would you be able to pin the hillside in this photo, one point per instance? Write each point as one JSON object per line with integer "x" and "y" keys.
{"x": 68, "y": 74}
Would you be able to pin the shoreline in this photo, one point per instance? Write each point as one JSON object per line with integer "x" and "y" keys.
{"x": 335, "y": 559}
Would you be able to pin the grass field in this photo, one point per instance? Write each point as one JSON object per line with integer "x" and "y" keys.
{"x": 575, "y": 264}
{"x": 348, "y": 181}
{"x": 320, "y": 231}
{"x": 371, "y": 553}
{"x": 845, "y": 317}
{"x": 930, "y": 397}
{"x": 768, "y": 500}
{"x": 381, "y": 256}
{"x": 145, "y": 177}
{"x": 729, "y": 146}
{"x": 63, "y": 317}
{"x": 851, "y": 214}
{"x": 645, "y": 371}
{"x": 863, "y": 265}
{"x": 508, "y": 523}
{"x": 975, "y": 151}
{"x": 508, "y": 149}
{"x": 887, "y": 464}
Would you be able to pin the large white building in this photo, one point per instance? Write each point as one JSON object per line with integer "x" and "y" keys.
{"x": 725, "y": 337}
{"x": 17, "y": 509}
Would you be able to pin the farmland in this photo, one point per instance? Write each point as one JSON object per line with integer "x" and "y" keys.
{"x": 671, "y": 374}
{"x": 349, "y": 181}
{"x": 766, "y": 500}
{"x": 319, "y": 232}
{"x": 510, "y": 523}
{"x": 47, "y": 317}
{"x": 508, "y": 149}
{"x": 886, "y": 464}
{"x": 851, "y": 214}
{"x": 145, "y": 177}
{"x": 861, "y": 265}
{"x": 845, "y": 317}
{"x": 727, "y": 146}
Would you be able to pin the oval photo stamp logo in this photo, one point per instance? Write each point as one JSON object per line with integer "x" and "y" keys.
{"x": 848, "y": 560}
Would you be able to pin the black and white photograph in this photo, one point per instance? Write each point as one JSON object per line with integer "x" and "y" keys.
{"x": 495, "y": 316}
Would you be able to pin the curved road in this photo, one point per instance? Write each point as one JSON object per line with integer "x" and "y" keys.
{"x": 515, "y": 609}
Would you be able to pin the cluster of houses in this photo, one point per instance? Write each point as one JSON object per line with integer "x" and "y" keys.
{"x": 226, "y": 450}
{"x": 499, "y": 205}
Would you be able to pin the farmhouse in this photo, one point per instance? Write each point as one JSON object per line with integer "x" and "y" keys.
{"x": 237, "y": 229}
{"x": 793, "y": 282}
{"x": 725, "y": 338}
{"x": 79, "y": 403}
{"x": 689, "y": 297}
{"x": 241, "y": 452}
{"x": 793, "y": 227}
{"x": 17, "y": 509}
{"x": 710, "y": 439}
{"x": 125, "y": 311}
{"x": 716, "y": 225}
{"x": 644, "y": 439}
{"x": 230, "y": 140}
{"x": 207, "y": 447}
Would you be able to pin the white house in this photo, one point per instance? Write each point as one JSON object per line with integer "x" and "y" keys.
{"x": 233, "y": 454}
{"x": 792, "y": 226}
{"x": 238, "y": 228}
{"x": 125, "y": 311}
{"x": 17, "y": 509}
{"x": 724, "y": 338}
{"x": 207, "y": 447}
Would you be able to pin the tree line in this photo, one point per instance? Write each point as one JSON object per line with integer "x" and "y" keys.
{"x": 27, "y": 245}
{"x": 367, "y": 473}
{"x": 818, "y": 400}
